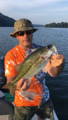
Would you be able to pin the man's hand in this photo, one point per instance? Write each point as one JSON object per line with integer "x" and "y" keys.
{"x": 57, "y": 60}
{"x": 55, "y": 65}
{"x": 22, "y": 84}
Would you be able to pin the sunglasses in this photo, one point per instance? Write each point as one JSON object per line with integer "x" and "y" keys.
{"x": 22, "y": 33}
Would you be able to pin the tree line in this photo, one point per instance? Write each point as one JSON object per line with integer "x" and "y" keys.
{"x": 57, "y": 25}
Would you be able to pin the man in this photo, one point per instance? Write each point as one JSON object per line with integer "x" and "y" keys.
{"x": 25, "y": 108}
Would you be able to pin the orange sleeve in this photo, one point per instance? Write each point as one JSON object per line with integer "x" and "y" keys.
{"x": 10, "y": 69}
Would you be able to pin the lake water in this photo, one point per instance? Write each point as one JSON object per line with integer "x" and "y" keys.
{"x": 58, "y": 86}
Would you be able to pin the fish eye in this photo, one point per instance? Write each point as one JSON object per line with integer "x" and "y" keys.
{"x": 42, "y": 57}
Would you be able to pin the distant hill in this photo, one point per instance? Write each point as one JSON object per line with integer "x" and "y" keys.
{"x": 57, "y": 25}
{"x": 6, "y": 21}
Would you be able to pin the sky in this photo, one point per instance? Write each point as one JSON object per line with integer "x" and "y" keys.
{"x": 38, "y": 11}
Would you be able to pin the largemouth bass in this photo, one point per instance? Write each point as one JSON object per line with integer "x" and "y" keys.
{"x": 34, "y": 63}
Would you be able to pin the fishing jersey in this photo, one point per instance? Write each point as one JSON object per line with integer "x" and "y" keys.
{"x": 37, "y": 91}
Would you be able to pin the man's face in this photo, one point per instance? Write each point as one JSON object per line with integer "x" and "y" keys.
{"x": 25, "y": 39}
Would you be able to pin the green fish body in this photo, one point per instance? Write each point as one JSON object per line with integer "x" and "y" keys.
{"x": 34, "y": 63}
